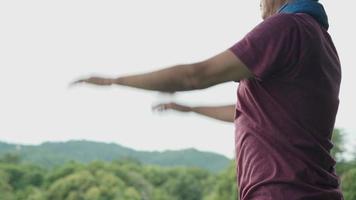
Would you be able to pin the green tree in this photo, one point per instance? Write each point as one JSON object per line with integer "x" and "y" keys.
{"x": 184, "y": 184}
{"x": 30, "y": 193}
{"x": 338, "y": 142}
{"x": 6, "y": 191}
{"x": 62, "y": 171}
{"x": 11, "y": 158}
{"x": 96, "y": 181}
{"x": 224, "y": 185}
{"x": 349, "y": 184}
{"x": 119, "y": 180}
{"x": 21, "y": 176}
{"x": 131, "y": 193}
{"x": 71, "y": 187}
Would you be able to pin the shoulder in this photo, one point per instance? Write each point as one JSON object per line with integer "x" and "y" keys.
{"x": 281, "y": 20}
{"x": 274, "y": 26}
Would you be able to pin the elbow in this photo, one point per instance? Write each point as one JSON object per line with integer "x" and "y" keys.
{"x": 192, "y": 83}
{"x": 194, "y": 79}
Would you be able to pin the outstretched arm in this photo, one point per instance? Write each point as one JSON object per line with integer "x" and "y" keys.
{"x": 223, "y": 113}
{"x": 218, "y": 69}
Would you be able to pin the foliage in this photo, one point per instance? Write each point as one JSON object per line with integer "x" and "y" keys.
{"x": 118, "y": 180}
{"x": 126, "y": 180}
{"x": 338, "y": 142}
{"x": 349, "y": 184}
{"x": 225, "y": 185}
{"x": 344, "y": 166}
{"x": 129, "y": 179}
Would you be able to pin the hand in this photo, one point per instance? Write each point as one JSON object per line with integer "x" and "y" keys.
{"x": 171, "y": 106}
{"x": 95, "y": 81}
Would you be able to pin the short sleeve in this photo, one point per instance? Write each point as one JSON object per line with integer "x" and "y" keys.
{"x": 268, "y": 48}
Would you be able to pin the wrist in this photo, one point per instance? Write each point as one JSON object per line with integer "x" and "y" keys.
{"x": 108, "y": 81}
{"x": 191, "y": 109}
{"x": 118, "y": 81}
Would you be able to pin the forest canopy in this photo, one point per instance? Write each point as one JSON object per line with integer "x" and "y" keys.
{"x": 130, "y": 179}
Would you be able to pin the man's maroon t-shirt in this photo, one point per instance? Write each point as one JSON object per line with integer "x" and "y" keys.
{"x": 285, "y": 115}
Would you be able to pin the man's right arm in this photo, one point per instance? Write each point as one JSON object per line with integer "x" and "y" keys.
{"x": 222, "y": 113}
{"x": 221, "y": 68}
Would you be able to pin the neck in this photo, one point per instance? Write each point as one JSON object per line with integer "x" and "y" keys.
{"x": 278, "y": 4}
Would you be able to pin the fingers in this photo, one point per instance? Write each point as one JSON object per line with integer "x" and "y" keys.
{"x": 95, "y": 81}
{"x": 164, "y": 107}
{"x": 160, "y": 107}
{"x": 80, "y": 81}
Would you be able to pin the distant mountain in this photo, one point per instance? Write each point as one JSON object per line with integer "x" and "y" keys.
{"x": 52, "y": 154}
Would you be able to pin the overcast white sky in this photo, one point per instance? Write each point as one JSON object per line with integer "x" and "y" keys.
{"x": 46, "y": 44}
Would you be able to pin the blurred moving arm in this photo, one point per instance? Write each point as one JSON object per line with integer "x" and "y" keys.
{"x": 221, "y": 68}
{"x": 222, "y": 113}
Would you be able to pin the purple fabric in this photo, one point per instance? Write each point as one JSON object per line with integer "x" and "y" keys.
{"x": 286, "y": 114}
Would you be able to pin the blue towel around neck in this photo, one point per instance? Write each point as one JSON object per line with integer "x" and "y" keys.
{"x": 310, "y": 7}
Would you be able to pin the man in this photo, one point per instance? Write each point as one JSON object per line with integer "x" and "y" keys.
{"x": 289, "y": 75}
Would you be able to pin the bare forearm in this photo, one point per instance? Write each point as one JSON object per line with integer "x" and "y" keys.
{"x": 223, "y": 113}
{"x": 176, "y": 78}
